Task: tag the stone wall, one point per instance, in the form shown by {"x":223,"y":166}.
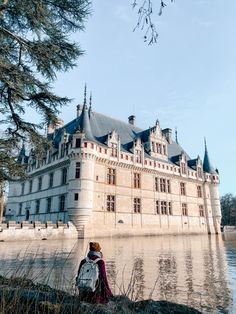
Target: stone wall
{"x":26,"y":231}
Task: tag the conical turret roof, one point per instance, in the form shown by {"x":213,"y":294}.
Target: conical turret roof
{"x":85,"y":124}
{"x":207,"y":166}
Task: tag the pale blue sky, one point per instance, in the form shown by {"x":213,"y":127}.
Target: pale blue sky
{"x":187,"y":80}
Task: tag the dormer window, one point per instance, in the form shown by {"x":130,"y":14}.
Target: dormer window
{"x":183,"y":167}
{"x":199,"y":172}
{"x":164,"y":149}
{"x":78,"y":143}
{"x":153,"y":146}
{"x":114,"y":143}
{"x":49,"y":156}
{"x":114,"y":149}
{"x":159,"y":150}
{"x":138,"y":156}
{"x":62,"y":150}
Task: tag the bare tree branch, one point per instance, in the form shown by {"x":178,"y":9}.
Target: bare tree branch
{"x":145,"y":18}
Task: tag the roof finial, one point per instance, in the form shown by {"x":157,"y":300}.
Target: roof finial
{"x":205,"y":143}
{"x":90,"y":101}
{"x":176,"y":135}
{"x":90,"y":104}
{"x":85,"y":94}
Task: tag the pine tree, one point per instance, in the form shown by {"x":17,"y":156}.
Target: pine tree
{"x":35,"y":44}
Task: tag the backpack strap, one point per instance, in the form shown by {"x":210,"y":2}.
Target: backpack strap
{"x":93,"y":260}
{"x":97,"y":259}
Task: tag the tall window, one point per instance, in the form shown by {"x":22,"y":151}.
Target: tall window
{"x":78,"y":142}
{"x":164,"y":149}
{"x":138,"y":155}
{"x":153,"y":147}
{"x":199,"y":172}
{"x":110,"y":203}
{"x":22,"y":188}
{"x":39,"y":183}
{"x":184,"y":209}
{"x":49,"y":204}
{"x":111,"y":176}
{"x":183,"y":167}
{"x":49,"y":156}
{"x":20,"y":209}
{"x":159,"y":148}
{"x":182,"y":188}
{"x":137,"y":180}
{"x":170,"y":208}
{"x":30,"y":186}
{"x":64,"y":176}
{"x":157,"y":207}
{"x":113,"y":149}
{"x":62,"y":203}
{"x":164,"y":208}
{"x":168,"y":186}
{"x":62,"y":150}
{"x":137,"y":205}
{"x":156,"y":184}
{"x":162,"y":185}
{"x":201,"y":211}
{"x":51,"y":175}
{"x":77,"y":170}
{"x":199,"y":191}
{"x":37,"y":206}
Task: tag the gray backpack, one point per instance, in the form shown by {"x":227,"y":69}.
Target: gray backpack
{"x":87,"y":278}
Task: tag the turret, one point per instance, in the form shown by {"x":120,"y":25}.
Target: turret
{"x":81,"y":175}
{"x":213,"y":190}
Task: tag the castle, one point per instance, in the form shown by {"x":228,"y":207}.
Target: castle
{"x":109,"y":177}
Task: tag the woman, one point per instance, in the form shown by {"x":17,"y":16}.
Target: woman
{"x":102,"y":292}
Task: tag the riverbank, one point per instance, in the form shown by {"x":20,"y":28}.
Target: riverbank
{"x":22,"y":296}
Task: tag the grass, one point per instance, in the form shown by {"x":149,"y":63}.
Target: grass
{"x":19,"y":294}
{"x":22,"y":296}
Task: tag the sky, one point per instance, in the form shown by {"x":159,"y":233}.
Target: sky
{"x":187,"y":80}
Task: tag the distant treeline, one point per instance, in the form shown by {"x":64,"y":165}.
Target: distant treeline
{"x":228,"y":208}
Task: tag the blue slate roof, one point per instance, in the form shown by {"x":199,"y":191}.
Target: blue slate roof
{"x":207,"y":166}
{"x":97,"y":126}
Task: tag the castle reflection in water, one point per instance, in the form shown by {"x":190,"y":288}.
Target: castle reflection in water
{"x":185,"y":269}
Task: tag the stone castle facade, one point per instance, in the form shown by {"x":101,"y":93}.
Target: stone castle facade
{"x":110,"y":177}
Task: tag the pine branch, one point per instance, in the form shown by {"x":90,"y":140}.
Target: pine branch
{"x":34,"y":45}
{"x":3,"y":6}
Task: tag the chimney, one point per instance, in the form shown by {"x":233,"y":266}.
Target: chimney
{"x":131,"y":119}
{"x":168,"y":134}
{"x":79,"y":110}
{"x":52,"y":126}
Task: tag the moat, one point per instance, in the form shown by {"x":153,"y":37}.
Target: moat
{"x":198,"y":271}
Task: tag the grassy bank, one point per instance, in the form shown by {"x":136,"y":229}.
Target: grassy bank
{"x":22,"y":296}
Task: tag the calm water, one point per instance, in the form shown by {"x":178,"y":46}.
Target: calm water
{"x":196,"y":270}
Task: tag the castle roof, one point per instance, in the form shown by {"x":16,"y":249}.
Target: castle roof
{"x":97,"y":127}
{"x":207,"y":166}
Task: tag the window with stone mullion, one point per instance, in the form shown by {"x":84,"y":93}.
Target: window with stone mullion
{"x":137,"y":205}
{"x":137,"y":180}
{"x":111,"y":176}
{"x":111,"y":203}
{"x":114,"y":149}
